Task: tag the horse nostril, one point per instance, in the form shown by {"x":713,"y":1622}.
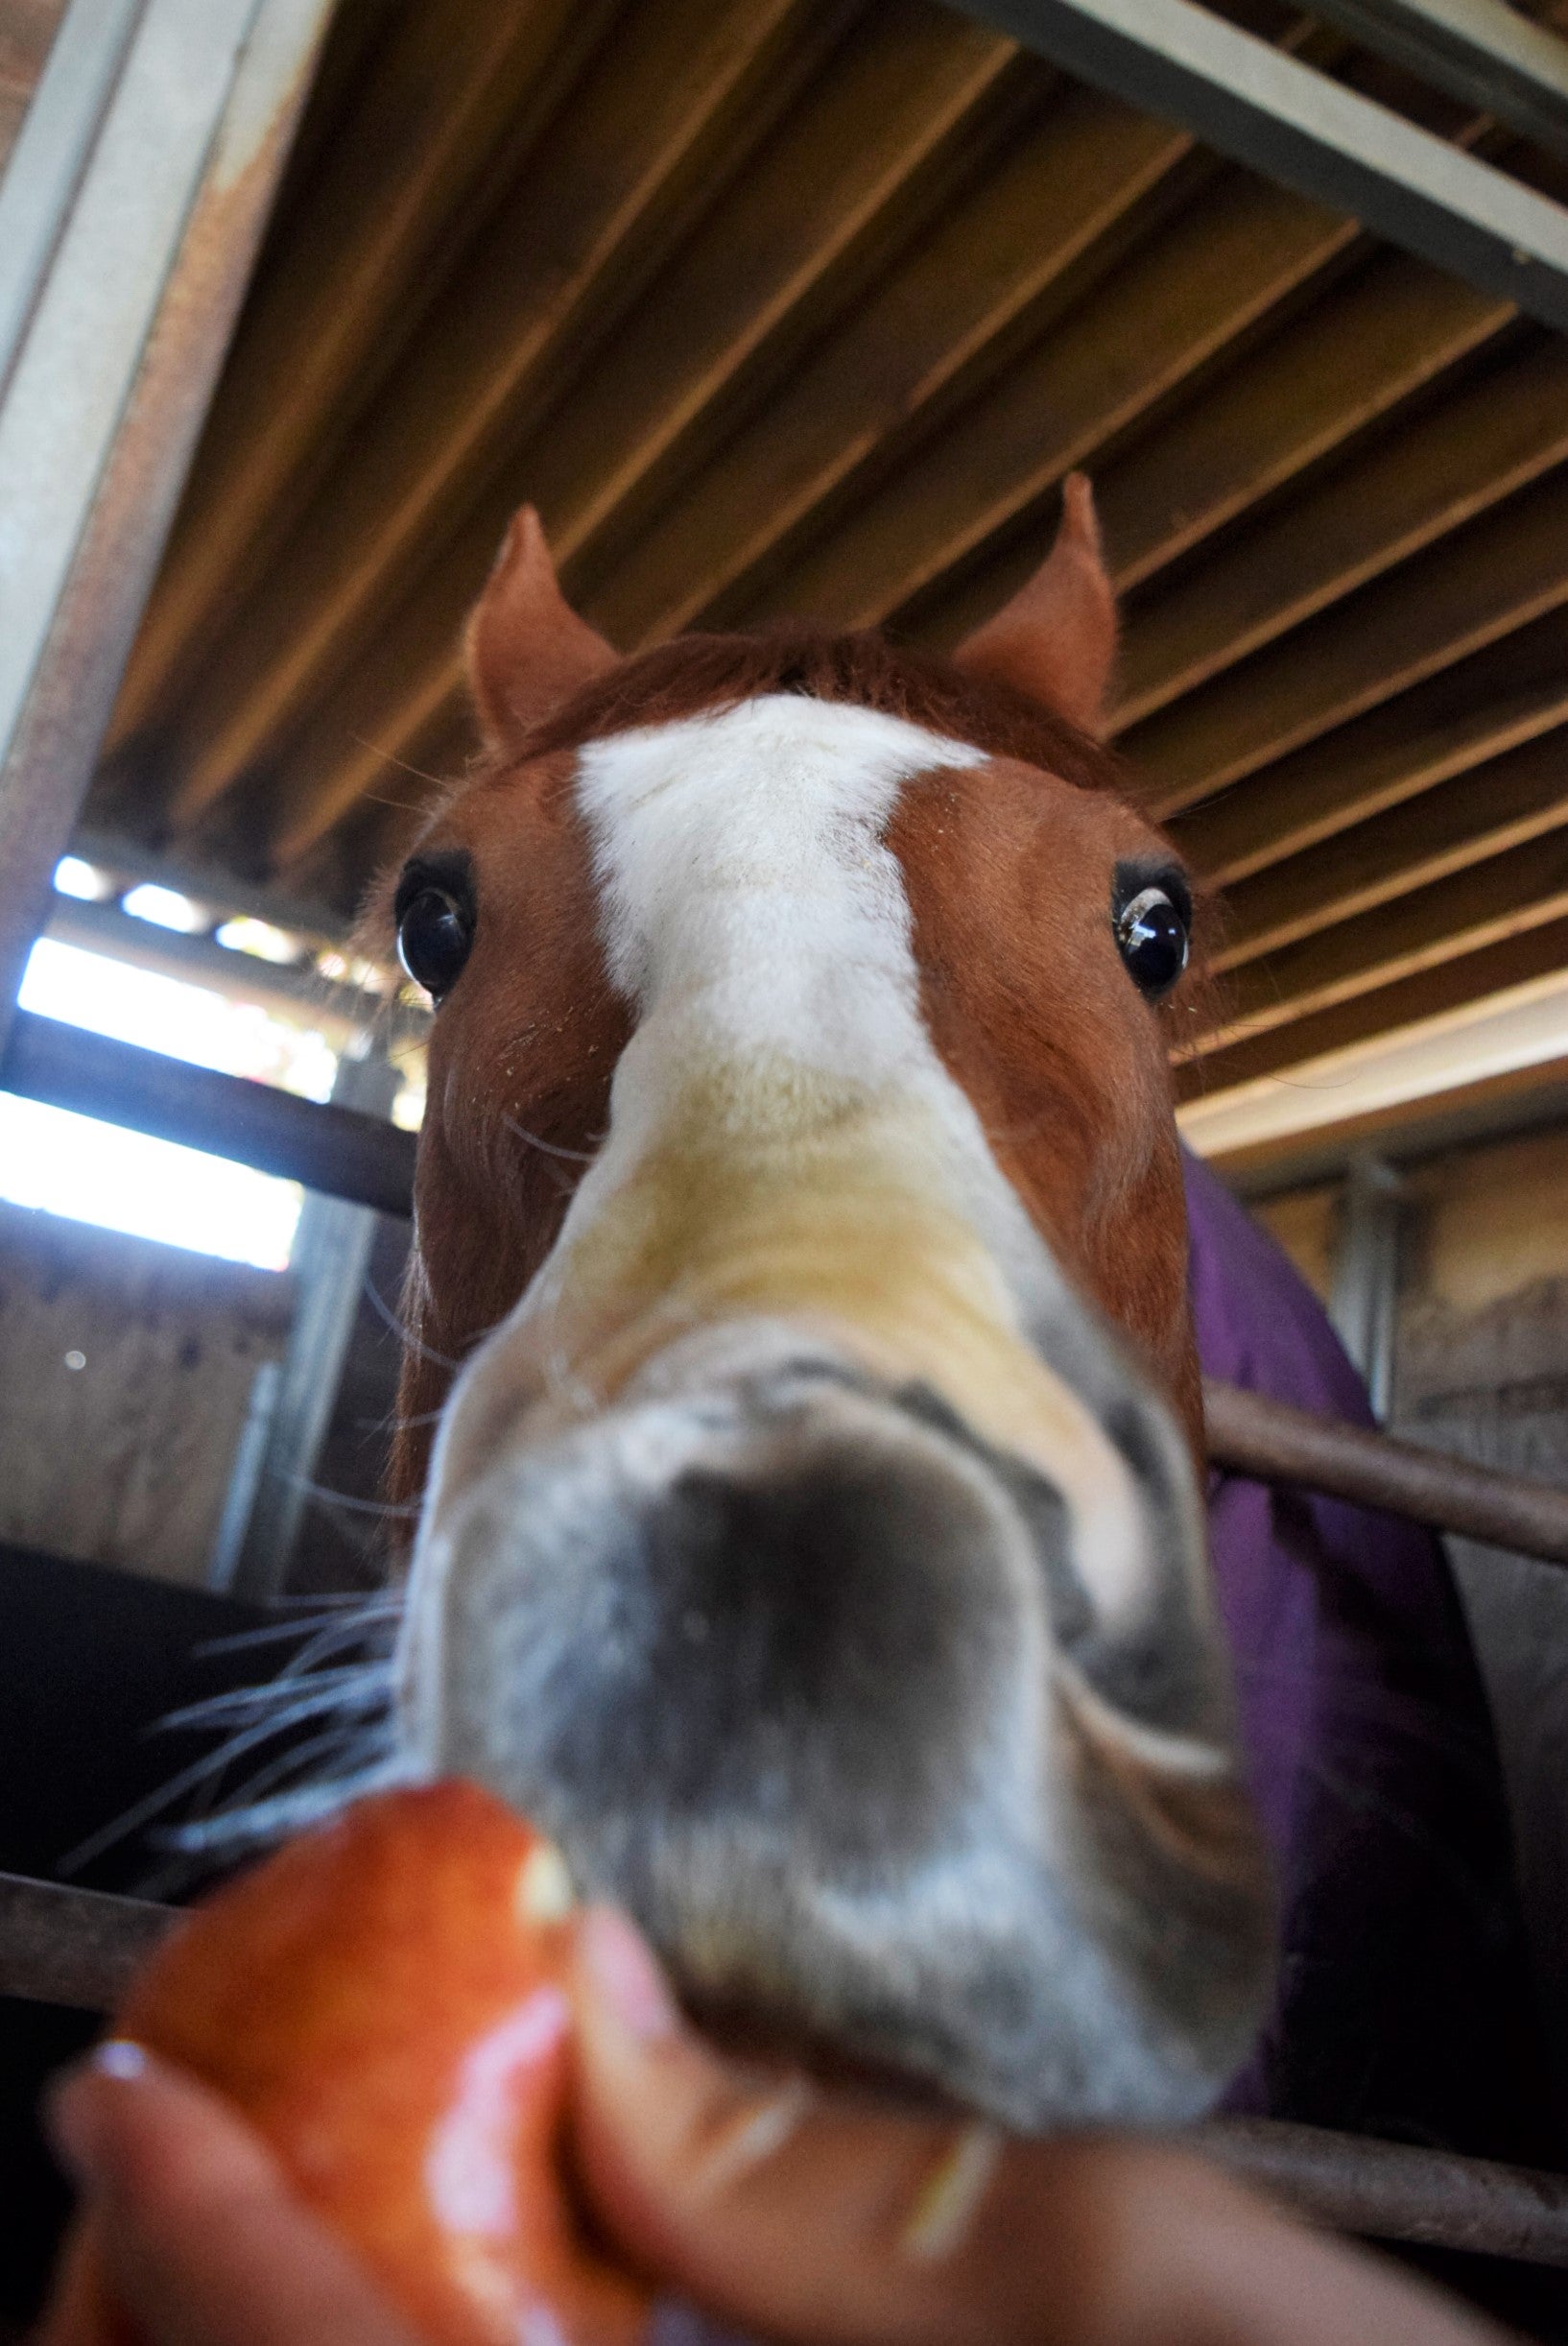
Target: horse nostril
{"x":816,"y":1563}
{"x":825,"y":1614}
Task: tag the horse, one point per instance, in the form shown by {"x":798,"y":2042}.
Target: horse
{"x":802,"y":1407}
{"x":812,"y":1540}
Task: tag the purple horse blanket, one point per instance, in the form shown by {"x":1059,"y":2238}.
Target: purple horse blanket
{"x":1404,"y":2007}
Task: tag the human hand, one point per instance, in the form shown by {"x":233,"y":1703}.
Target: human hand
{"x":780,"y":2210}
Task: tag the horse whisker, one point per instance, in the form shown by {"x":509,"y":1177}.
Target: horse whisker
{"x":293,"y":1696}
{"x":406,"y":1336}
{"x":290,"y":1812}
{"x":581,"y":1157}
{"x":348,"y":1502}
{"x":240,"y":1640}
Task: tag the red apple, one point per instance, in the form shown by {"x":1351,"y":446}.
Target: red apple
{"x":385,"y":1999}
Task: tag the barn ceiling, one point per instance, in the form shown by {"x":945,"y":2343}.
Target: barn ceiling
{"x":792,"y":306}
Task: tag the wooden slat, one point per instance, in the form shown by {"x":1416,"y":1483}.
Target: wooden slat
{"x":860,"y":163}
{"x":603,"y":198}
{"x":1523,"y":888}
{"x":835,"y":193}
{"x":1236,"y":252}
{"x":1479,"y":709}
{"x":1477,"y":814}
{"x":1477,"y":585}
{"x":1320,"y":380}
{"x":410,"y":153}
{"x":1326,"y":374}
{"x":1422,"y":478}
{"x":1468,"y":977}
{"x":1002,"y":262}
{"x":1001,"y":252}
{"x":341,"y":1012}
{"x":1355,"y":356}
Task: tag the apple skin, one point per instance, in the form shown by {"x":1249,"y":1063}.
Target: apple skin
{"x":385,"y":1999}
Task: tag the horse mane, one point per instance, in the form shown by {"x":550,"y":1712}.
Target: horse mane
{"x":692,"y":674}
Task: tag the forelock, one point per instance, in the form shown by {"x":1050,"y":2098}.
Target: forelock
{"x":697,"y":673}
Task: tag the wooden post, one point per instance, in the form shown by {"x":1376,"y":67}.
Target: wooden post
{"x":132,"y":228}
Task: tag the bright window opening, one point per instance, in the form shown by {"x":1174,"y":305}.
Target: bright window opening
{"x":92,"y":1172}
{"x":85,"y":880}
{"x":166,"y":907}
{"x":259,"y":938}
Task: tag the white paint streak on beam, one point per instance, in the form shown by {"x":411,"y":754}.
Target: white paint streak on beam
{"x":52,"y":148}
{"x":1296,"y":125}
{"x":109,"y":387}
{"x":1527,"y":1026}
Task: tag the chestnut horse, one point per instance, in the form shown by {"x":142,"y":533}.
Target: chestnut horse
{"x":811,"y":1540}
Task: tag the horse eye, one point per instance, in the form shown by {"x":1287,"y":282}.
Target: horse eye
{"x":434,"y":937}
{"x":1152,"y":933}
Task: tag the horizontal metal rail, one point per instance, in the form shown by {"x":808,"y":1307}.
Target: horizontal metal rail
{"x":345,"y":1154}
{"x":1274,"y":1443}
{"x":334,"y":1149}
{"x":80,"y":1947}
{"x":1389,"y":2191}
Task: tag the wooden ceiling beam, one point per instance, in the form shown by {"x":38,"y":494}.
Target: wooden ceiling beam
{"x":856,"y":169}
{"x":1475,"y":711}
{"x":1522,"y":888}
{"x":445,"y":89}
{"x":1340,"y":367}
{"x":1331,"y":371}
{"x":1475,"y":815}
{"x":847,"y":183}
{"x":614,"y":180}
{"x":1480,"y":583}
{"x":1427,"y":475}
{"x":1005,"y":259}
{"x":1237,"y":251}
{"x":994,"y":255}
{"x":1469,"y":976}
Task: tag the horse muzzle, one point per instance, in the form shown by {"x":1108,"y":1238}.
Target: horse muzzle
{"x":815,"y":1681}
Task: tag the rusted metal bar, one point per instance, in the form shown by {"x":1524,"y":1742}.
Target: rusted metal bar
{"x":1276,"y":1444}
{"x":338,"y":1150}
{"x":1389,"y":2191}
{"x":60,"y":1945}
{"x":345,"y":1154}
{"x":75,"y":1947}
{"x":110,"y":384}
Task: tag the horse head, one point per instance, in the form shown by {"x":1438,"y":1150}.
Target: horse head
{"x":811,"y":1538}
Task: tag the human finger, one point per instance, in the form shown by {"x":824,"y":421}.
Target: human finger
{"x":192,"y":2224}
{"x":822,"y":2219}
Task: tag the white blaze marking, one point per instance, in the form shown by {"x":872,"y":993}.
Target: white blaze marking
{"x":747,"y":884}
{"x":754,"y":913}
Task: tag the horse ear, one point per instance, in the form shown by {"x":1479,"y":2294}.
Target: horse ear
{"x":1056,"y":640}
{"x":526,"y":649}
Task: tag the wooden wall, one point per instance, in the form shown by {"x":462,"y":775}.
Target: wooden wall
{"x":124,"y":1459}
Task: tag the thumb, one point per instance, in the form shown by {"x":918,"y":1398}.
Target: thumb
{"x":810,"y":2216}
{"x":802,"y":2215}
